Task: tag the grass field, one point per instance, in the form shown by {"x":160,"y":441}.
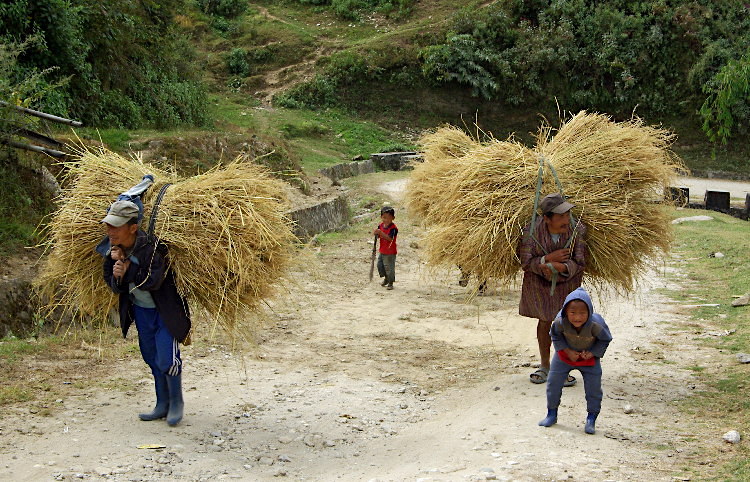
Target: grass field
{"x":709,"y":279}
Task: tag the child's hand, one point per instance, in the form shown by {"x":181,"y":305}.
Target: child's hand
{"x":376,"y":231}
{"x":572,"y":354}
{"x":587,"y":355}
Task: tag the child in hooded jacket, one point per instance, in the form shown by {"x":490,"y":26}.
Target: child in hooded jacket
{"x":580,"y":338}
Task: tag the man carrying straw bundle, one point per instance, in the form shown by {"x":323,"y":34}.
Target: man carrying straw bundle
{"x":136,"y":267}
{"x":552,"y":255}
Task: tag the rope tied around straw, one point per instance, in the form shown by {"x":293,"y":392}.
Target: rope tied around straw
{"x":483,"y":192}
{"x":539,"y":181}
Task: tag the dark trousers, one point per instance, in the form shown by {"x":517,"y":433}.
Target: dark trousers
{"x":592,"y":383}
{"x":159,"y":349}
{"x":387,"y":267}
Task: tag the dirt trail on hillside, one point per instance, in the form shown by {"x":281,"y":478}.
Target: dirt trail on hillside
{"x":353,"y":382}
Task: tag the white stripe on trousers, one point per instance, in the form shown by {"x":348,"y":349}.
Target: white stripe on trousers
{"x":174,"y":370}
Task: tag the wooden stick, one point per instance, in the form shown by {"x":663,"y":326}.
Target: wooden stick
{"x":372,"y":260}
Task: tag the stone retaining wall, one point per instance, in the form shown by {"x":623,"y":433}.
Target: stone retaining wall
{"x":17,"y":307}
{"x":391,"y":161}
{"x":740,"y":213}
{"x":348,"y":169}
{"x":326,"y":216}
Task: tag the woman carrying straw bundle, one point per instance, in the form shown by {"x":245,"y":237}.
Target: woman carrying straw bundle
{"x":137,"y":268}
{"x":553,"y":257}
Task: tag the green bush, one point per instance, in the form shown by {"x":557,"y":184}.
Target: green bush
{"x":22,"y":205}
{"x":347,"y":67}
{"x":222,"y":25}
{"x":259,"y":54}
{"x":318,"y":92}
{"x":237,"y":62}
{"x":606,"y":55}
{"x":461,"y":59}
{"x":223,"y":8}
{"x":726,"y":110}
{"x":352,"y":9}
{"x":126,"y":63}
{"x":304,"y":129}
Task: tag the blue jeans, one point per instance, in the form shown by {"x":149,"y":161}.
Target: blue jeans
{"x":592,"y":383}
{"x":159,"y":349}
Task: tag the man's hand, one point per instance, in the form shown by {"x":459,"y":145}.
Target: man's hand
{"x":587,"y":355}
{"x":572,"y":354}
{"x":120,"y":268}
{"x":116,"y":253}
{"x":558,"y":256}
{"x":561,"y":268}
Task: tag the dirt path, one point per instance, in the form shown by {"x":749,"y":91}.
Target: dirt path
{"x":353,"y":382}
{"x":698,"y":187}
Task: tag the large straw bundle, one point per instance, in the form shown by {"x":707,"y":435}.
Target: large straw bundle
{"x":442,"y":149}
{"x":611,"y":171}
{"x":228,"y":236}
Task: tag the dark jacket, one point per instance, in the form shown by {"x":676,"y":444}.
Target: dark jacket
{"x":153,"y":274}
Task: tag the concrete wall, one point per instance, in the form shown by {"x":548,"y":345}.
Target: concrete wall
{"x":326,"y":216}
{"x":348,"y":169}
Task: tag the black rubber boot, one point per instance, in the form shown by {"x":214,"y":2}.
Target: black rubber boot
{"x":550,"y":419}
{"x":162,"y":400}
{"x":591,"y":423}
{"x":176,"y":404}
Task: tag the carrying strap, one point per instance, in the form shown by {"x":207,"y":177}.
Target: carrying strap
{"x":155,"y":211}
{"x":532,"y":229}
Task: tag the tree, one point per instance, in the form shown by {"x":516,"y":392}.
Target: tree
{"x":727,"y":105}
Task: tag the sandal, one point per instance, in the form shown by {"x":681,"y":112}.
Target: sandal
{"x":570,"y":381}
{"x":539,"y":376}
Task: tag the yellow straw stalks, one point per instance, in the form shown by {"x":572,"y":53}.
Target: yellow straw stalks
{"x":228,"y":236}
{"x":476,"y":203}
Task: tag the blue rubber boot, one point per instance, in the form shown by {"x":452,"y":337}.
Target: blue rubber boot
{"x":176,"y":404}
{"x":162,"y":400}
{"x":591,"y":423}
{"x":550,"y":419}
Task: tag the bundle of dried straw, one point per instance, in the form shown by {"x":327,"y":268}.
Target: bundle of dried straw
{"x":228,"y":236}
{"x":475,"y":203}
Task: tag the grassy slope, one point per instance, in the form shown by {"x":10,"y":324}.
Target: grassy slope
{"x":289,"y":42}
{"x":710,"y":280}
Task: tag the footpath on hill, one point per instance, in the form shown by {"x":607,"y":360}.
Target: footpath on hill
{"x":353,"y":382}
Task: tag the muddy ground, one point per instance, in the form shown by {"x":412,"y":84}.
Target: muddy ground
{"x":353,"y":382}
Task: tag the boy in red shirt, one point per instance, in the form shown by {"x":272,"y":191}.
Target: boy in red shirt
{"x":387,"y":232}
